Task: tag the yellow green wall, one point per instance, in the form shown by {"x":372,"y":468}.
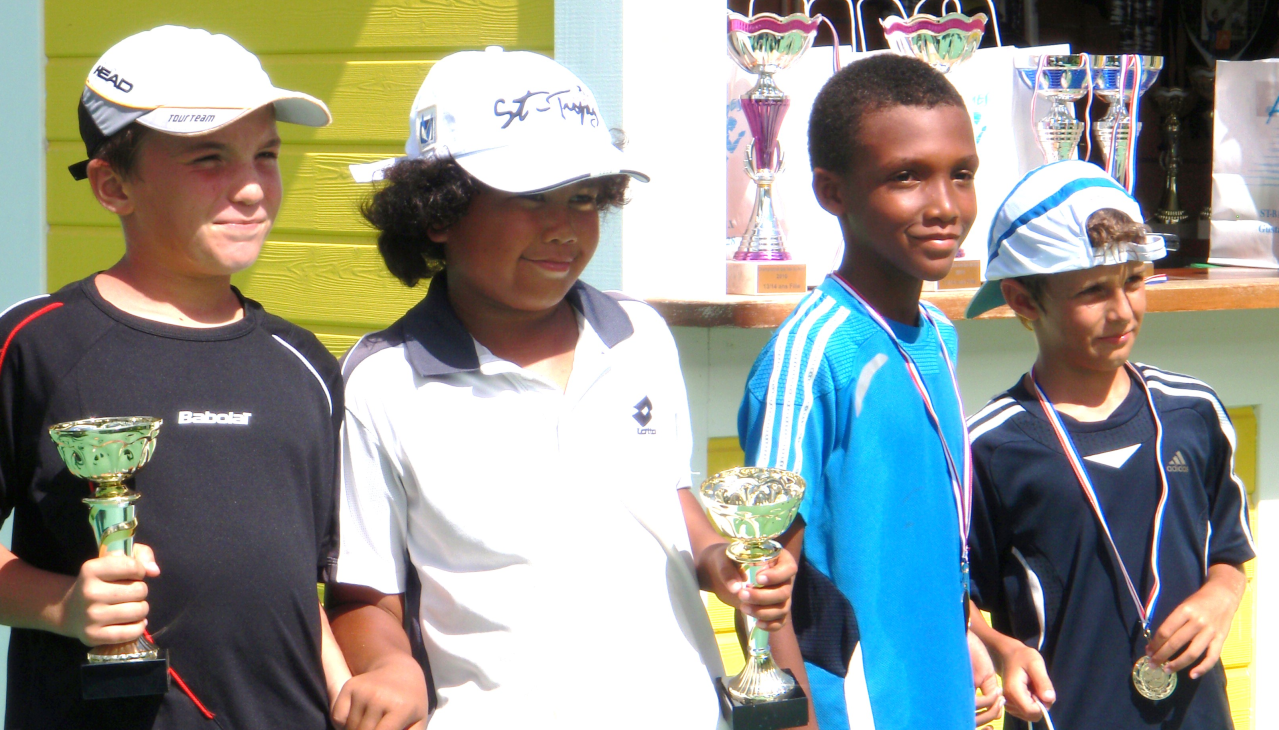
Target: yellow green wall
{"x":365,"y":58}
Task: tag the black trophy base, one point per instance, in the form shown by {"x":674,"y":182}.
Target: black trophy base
{"x":789,"y":710}
{"x":111,"y":680}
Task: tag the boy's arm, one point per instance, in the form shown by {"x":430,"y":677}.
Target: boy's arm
{"x":717,"y":573}
{"x":388,"y":688}
{"x":1026,"y":682}
{"x":104,"y":604}
{"x":1199,"y":626}
{"x":336,"y":672}
{"x":783,"y":642}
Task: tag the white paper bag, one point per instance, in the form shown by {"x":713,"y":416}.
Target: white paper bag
{"x":999,"y":104}
{"x":1245,"y":165}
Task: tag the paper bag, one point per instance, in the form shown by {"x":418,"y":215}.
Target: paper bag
{"x":1244,"y":230}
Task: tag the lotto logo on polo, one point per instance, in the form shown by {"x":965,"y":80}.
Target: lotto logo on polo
{"x":643,"y":415}
{"x":209,"y":418}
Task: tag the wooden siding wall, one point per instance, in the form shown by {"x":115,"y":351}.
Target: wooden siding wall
{"x":364,"y":58}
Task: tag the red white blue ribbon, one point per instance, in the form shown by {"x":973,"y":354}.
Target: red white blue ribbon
{"x":1145,"y":610}
{"x":961,"y":482}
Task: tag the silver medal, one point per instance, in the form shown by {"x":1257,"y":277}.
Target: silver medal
{"x":1151,"y":681}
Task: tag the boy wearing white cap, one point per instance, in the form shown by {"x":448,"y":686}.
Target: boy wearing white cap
{"x":516,"y":512}
{"x":237,"y":520}
{"x":1109,"y":526}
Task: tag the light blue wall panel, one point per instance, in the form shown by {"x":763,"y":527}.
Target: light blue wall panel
{"x":22,"y":181}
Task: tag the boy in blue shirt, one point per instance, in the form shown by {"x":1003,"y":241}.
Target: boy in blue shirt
{"x":1108,"y":524}
{"x":857,"y":392}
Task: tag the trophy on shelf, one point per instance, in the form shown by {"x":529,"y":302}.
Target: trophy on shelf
{"x":764,"y":44}
{"x":942,"y":42}
{"x":1062,"y":80}
{"x":1203,"y":80}
{"x":106,"y":452}
{"x":752,"y":506}
{"x":1121,"y":80}
{"x":1173,"y":104}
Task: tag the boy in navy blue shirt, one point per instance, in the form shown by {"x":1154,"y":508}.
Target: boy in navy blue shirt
{"x":1108,"y":524}
{"x":857,"y":392}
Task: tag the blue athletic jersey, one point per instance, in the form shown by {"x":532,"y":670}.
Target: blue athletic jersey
{"x":878,"y":606}
{"x":1043,"y":568}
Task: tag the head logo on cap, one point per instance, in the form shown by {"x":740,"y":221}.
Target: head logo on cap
{"x":123,"y":85}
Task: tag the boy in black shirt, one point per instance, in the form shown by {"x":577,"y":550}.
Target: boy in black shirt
{"x":238,"y":506}
{"x":1108,"y":524}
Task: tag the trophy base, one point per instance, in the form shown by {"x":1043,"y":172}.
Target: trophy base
{"x":766,"y":277}
{"x":789,"y":710}
{"x":138,"y":678}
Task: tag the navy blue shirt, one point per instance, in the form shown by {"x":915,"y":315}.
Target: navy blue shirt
{"x":1043,"y":569}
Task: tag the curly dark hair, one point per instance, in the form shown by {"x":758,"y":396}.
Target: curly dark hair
{"x":420,"y":196}
{"x":861,"y":88}
{"x":1108,"y":228}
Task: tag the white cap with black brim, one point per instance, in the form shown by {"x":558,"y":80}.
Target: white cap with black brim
{"x":181,"y":81}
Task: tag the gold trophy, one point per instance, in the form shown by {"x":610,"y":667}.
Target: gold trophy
{"x":752,"y":506}
{"x":107,"y":451}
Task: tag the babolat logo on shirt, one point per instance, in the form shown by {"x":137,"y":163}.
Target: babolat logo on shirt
{"x":642,"y":415}
{"x":113,"y":79}
{"x":570,"y":103}
{"x":1178,"y":463}
{"x":209,"y":418}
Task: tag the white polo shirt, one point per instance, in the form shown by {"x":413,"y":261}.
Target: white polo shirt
{"x":542,"y":528}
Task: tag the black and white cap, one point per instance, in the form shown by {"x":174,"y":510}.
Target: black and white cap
{"x":181,"y":81}
{"x":517,"y":121}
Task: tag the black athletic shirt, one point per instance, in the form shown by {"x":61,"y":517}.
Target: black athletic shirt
{"x":238,"y":502}
{"x":1041,"y":564}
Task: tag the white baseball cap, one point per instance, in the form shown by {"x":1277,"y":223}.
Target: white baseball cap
{"x":516,"y":121}
{"x":181,"y":81}
{"x":1042,"y":228}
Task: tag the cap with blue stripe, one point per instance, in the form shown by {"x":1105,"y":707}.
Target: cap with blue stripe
{"x":1042,"y":228}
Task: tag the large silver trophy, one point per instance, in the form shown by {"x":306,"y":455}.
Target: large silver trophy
{"x":107,"y":452}
{"x":1121,"y":80}
{"x":752,"y":507}
{"x":1062,"y":80}
{"x":764,"y":44}
{"x":942,"y":42}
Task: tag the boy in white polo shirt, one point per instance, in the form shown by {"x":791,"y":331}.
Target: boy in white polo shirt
{"x":516,"y":507}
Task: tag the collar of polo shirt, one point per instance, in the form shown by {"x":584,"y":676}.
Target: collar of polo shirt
{"x":437,"y":343}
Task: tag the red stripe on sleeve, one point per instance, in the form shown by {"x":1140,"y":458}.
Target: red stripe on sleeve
{"x":30,"y":318}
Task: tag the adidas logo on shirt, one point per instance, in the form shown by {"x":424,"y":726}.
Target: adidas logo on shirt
{"x":210,"y":418}
{"x":1178,"y":463}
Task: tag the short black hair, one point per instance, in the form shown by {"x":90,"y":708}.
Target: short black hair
{"x":420,"y":196}
{"x":861,"y":88}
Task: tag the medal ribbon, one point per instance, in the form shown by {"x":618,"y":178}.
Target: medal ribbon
{"x":1145,"y":610}
{"x":961,"y":483}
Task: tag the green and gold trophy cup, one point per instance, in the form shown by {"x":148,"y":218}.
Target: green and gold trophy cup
{"x":752,"y":507}
{"x":106,"y":452}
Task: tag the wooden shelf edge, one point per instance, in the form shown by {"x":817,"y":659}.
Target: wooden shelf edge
{"x":1187,"y":290}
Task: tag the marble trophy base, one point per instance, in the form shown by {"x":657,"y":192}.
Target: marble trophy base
{"x":789,"y":710}
{"x":766,"y":277}
{"x":135,"y":678}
